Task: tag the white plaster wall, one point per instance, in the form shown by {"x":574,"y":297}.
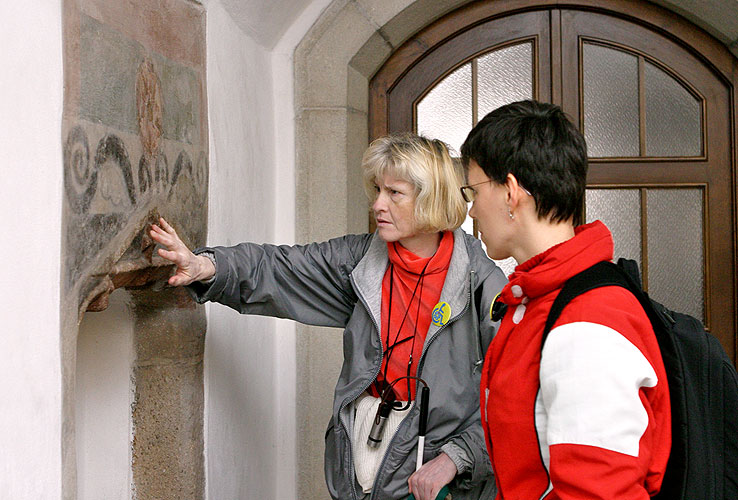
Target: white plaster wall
{"x":265,"y":21}
{"x":103,"y":406}
{"x":30,"y":236}
{"x":288,"y":469}
{"x":250,"y":428}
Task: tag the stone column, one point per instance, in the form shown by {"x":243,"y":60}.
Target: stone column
{"x":167,"y":411}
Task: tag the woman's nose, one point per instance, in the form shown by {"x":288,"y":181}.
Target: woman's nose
{"x":379,"y":203}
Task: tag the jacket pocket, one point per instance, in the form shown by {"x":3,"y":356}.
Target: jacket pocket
{"x":336,"y":463}
{"x":328,"y":430}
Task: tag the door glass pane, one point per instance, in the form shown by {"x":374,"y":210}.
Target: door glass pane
{"x":445,"y":112}
{"x":675,"y":249}
{"x":673,"y":116}
{"x":620,"y":210}
{"x":611,"y":118}
{"x":504,"y":76}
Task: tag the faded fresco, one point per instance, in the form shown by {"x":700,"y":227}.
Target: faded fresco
{"x":135,"y":131}
{"x":135,"y":145}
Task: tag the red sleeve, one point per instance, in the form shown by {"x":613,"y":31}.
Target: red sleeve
{"x":587,"y":472}
{"x":600,"y":410}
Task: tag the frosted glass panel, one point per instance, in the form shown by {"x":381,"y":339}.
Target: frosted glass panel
{"x":620,"y":210}
{"x":504,"y":76}
{"x":673,"y":116}
{"x":611,"y":119}
{"x":675,"y":249}
{"x":445,"y":113}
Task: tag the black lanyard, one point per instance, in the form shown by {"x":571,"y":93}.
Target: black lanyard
{"x":390,"y":347}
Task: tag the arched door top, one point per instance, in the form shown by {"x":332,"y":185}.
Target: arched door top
{"x":657,"y":113}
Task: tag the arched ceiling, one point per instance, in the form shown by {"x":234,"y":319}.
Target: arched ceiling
{"x":265,"y":21}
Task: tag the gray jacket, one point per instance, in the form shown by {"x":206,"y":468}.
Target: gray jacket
{"x":338,"y":283}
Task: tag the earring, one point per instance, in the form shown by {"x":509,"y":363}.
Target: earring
{"x":509,"y":212}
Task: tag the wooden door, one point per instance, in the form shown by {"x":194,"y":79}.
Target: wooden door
{"x":656,"y":114}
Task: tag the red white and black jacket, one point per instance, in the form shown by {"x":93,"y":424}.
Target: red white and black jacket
{"x":588,"y":417}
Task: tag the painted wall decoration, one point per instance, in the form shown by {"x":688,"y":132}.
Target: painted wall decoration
{"x":137,"y":140}
{"x":135,"y":146}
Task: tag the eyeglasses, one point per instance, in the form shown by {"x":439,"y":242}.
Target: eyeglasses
{"x":469,"y":193}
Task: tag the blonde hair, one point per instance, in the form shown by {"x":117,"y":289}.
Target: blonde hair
{"x":427,"y":164}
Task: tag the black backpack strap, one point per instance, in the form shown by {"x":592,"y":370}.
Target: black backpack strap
{"x":601,"y":274}
{"x":631,"y":269}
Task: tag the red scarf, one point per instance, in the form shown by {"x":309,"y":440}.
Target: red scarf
{"x":411,"y":313}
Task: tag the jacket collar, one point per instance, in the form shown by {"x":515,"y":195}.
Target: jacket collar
{"x":368,"y":274}
{"x":549,"y":270}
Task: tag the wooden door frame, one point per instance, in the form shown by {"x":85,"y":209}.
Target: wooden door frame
{"x":706,"y":169}
{"x":703,"y":46}
{"x":459,"y":50}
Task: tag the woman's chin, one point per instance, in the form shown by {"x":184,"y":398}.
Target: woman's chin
{"x":387,"y":234}
{"x":494,"y":253}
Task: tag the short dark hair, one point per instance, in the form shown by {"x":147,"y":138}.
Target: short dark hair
{"x":540,"y":146}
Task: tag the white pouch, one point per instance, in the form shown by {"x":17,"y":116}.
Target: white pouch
{"x":366,"y":458}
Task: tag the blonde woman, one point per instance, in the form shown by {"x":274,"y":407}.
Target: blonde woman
{"x":408,"y":298}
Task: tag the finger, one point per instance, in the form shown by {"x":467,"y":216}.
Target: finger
{"x":159,"y":236}
{"x":172,"y":256}
{"x":177,"y":280}
{"x":415,"y":484}
{"x":420,"y":494}
{"x":427,"y":493}
{"x":157,"y":228}
{"x":169,"y":229}
{"x":423,"y":486}
{"x":171,"y":241}
{"x":171,"y":235}
{"x":434,"y":492}
{"x":180,"y":279}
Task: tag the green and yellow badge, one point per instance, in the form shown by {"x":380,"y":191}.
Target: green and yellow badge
{"x":441,"y":313}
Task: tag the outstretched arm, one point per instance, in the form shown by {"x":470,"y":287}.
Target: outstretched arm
{"x":190,"y":267}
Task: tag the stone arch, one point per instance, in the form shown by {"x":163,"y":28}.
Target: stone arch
{"x":333,"y":64}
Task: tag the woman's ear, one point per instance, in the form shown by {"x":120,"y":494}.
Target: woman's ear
{"x":514,"y":191}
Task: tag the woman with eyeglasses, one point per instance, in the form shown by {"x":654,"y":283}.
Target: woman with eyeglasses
{"x":583,"y":412}
{"x":413,"y":299}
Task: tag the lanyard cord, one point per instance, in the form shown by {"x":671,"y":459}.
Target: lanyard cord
{"x":390,"y":348}
{"x":417,"y":317}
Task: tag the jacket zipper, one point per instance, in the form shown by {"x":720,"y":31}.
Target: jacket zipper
{"x":476,"y":324}
{"x":418,"y":372}
{"x":352,"y":472}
